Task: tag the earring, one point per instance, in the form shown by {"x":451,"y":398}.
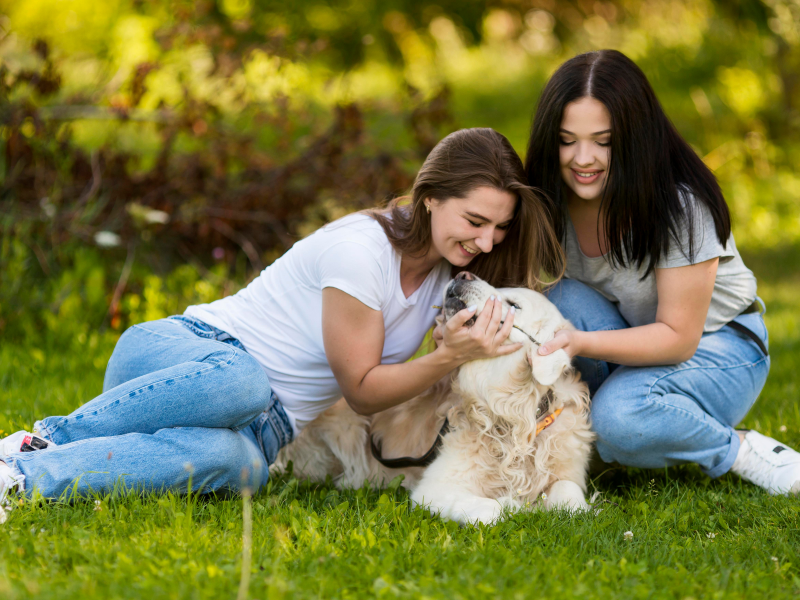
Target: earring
{"x":428,"y":208}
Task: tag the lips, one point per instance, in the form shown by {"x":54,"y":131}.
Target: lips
{"x":581,"y":176}
{"x":467,"y":251}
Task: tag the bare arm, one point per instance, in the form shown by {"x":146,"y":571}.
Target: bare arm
{"x":684,"y":295}
{"x":353,"y":335}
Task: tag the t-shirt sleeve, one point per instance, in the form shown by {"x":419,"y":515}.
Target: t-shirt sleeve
{"x":354,"y":269}
{"x":706,"y":244}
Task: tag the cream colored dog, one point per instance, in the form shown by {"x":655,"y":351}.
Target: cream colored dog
{"x":492,"y":458}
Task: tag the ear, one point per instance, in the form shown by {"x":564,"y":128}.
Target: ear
{"x":547,"y":369}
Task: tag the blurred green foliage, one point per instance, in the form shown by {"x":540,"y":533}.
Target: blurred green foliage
{"x":199,"y":139}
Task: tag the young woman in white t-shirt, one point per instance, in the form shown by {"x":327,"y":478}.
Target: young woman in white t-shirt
{"x":209,"y":397}
{"x":671,"y":337}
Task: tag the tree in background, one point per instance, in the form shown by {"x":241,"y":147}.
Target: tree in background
{"x":140,"y":137}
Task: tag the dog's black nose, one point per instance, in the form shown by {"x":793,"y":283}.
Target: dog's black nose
{"x":466,"y":275}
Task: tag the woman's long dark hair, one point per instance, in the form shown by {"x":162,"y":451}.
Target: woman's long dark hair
{"x":651,"y":164}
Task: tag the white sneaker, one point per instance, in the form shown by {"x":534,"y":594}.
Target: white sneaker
{"x":23,"y":441}
{"x":769,"y":464}
{"x":9,"y":481}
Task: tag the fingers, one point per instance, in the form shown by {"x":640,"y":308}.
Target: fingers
{"x":497,"y":314}
{"x":505,"y":330}
{"x":481,"y":325}
{"x":557,"y":343}
{"x":457,"y":320}
{"x":510,"y":349}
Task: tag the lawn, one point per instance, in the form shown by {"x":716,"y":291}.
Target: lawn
{"x":692,"y":537}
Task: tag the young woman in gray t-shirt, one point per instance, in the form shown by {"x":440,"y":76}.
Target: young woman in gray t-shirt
{"x":671,"y":337}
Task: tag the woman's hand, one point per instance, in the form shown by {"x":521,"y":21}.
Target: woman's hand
{"x":567,"y":340}
{"x":484,"y":339}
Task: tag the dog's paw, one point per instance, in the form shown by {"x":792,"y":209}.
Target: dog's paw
{"x":565,"y":495}
{"x":485,"y":510}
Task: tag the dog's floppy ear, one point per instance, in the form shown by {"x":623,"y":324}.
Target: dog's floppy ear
{"x":547,"y":369}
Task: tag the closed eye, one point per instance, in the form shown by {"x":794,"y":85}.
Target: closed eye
{"x":513,"y":304}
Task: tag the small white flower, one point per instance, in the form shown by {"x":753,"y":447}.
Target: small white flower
{"x":156,"y":216}
{"x":520,"y":491}
{"x":628,"y":535}
{"x":3,"y":515}
{"x":782,"y":428}
{"x":711,"y":535}
{"x":98,"y":506}
{"x":544,"y":496}
{"x":774,"y":559}
{"x":107,"y":239}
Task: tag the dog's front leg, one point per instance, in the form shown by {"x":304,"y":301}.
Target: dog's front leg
{"x":565,"y":495}
{"x":445,"y":490}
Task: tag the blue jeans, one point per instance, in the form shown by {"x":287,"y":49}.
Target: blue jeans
{"x":182,"y":402}
{"x":654,"y":417}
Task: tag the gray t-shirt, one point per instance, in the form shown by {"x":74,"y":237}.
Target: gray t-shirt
{"x":637,"y":298}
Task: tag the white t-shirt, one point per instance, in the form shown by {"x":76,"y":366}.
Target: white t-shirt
{"x":278,"y":317}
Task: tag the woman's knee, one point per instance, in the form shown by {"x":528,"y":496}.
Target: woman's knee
{"x":620,"y":422}
{"x":585,"y":307}
{"x":609,"y":420}
{"x":253,"y":389}
{"x":118,"y":370}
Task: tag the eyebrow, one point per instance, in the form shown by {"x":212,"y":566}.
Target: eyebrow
{"x":595,"y":133}
{"x":482,"y":218}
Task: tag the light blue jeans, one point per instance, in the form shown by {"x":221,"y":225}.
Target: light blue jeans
{"x":654,"y":417}
{"x":182,"y":402}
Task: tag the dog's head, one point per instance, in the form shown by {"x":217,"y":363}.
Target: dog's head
{"x":536,"y":321}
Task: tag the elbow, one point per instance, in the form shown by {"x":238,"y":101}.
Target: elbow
{"x":687,"y":351}
{"x":359,"y":407}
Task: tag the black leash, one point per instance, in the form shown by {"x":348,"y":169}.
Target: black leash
{"x":749,"y":333}
{"x":407,"y":461}
{"x":754,"y":307}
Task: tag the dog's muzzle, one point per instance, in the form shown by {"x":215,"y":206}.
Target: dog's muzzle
{"x":456,"y":291}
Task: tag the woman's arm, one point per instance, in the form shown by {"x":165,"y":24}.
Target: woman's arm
{"x":684,"y":295}
{"x":353,"y":335}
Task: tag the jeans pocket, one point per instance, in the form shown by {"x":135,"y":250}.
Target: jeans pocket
{"x":197,"y":327}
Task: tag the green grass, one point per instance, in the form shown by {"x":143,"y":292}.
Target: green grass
{"x":312,"y":541}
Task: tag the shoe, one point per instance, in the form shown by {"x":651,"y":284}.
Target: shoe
{"x":768,"y":464}
{"x":23,"y":441}
{"x":9,"y":481}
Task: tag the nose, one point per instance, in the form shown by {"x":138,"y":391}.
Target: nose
{"x":485,"y":242}
{"x":583,"y":155}
{"x":466,"y":276}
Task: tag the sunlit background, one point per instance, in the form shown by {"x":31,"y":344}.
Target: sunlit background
{"x":160,"y":152}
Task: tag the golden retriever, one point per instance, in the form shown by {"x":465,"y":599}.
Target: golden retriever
{"x":518,"y":435}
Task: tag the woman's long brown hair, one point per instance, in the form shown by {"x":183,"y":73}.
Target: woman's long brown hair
{"x":528,"y":256}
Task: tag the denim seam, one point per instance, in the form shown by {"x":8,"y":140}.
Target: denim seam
{"x":190,"y":325}
{"x":171,"y":337}
{"x":153,"y":384}
{"x":695,"y":368}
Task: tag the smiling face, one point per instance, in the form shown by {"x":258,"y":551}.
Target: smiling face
{"x":463,"y":228}
{"x":585,"y":148}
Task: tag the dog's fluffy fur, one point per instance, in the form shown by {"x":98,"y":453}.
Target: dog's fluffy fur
{"x":491,"y":459}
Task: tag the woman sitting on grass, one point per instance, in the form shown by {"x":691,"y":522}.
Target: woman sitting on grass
{"x":671,"y":335}
{"x":208,"y":398}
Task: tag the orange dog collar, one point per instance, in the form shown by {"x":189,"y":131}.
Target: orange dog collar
{"x":547,"y":421}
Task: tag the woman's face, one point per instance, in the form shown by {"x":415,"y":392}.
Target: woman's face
{"x":584,"y":147}
{"x":463,"y":228}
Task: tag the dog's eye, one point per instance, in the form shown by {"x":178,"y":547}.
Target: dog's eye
{"x":513,"y":304}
